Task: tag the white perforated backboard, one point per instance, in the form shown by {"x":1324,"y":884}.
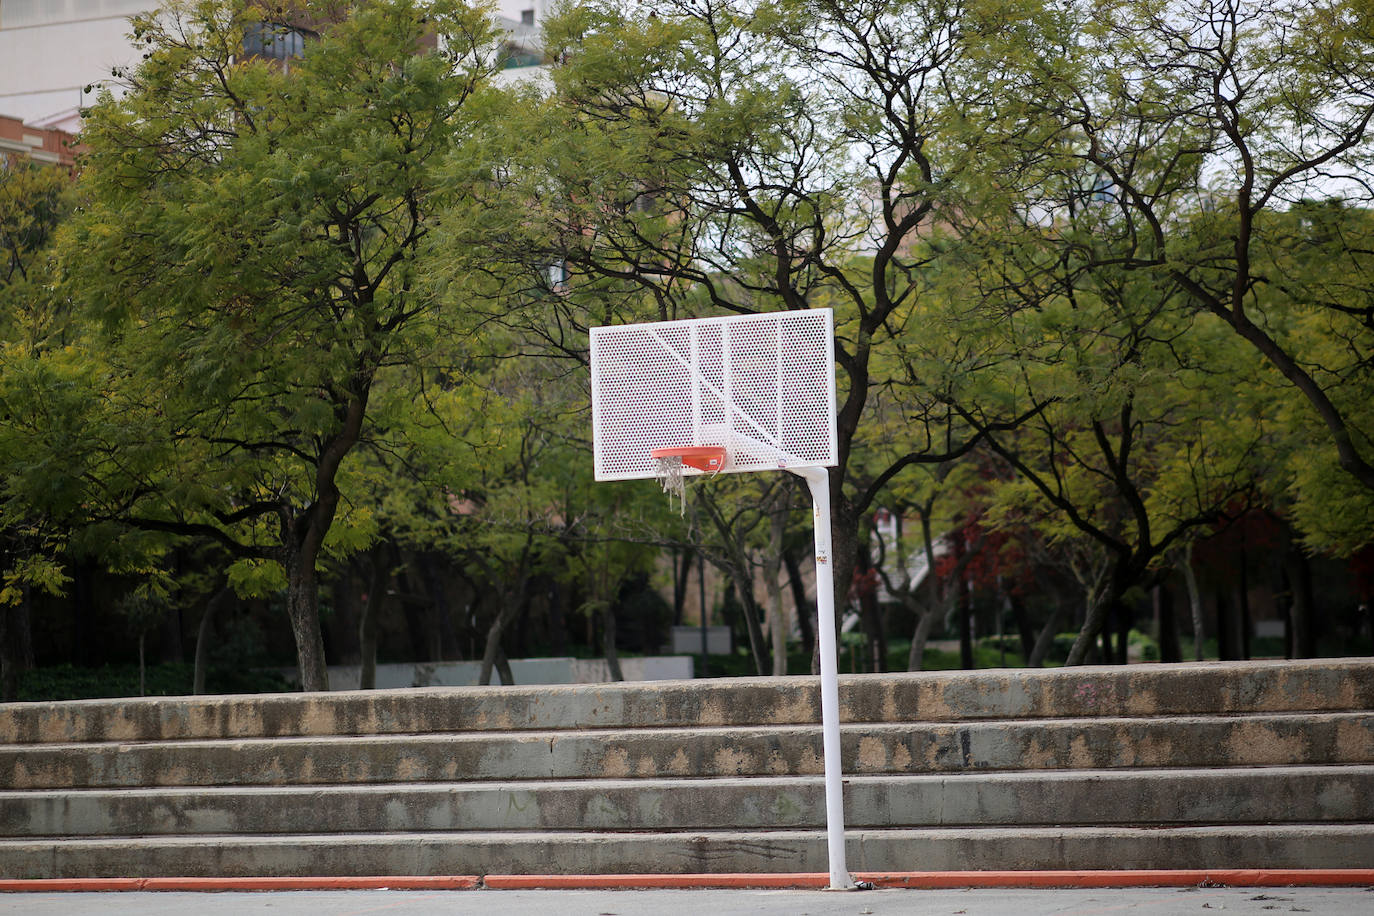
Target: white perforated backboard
{"x":761,"y":386}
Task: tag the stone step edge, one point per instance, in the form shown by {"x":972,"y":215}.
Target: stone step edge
{"x":591,"y":783}
{"x":1239,"y":877}
{"x":1275,"y":795}
{"x":848,"y":729}
{"x":1316,"y":739}
{"x":582,"y":837}
{"x":1259,"y":846}
{"x":1302,"y":685}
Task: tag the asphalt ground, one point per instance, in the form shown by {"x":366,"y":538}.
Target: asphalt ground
{"x":1195,"y":901}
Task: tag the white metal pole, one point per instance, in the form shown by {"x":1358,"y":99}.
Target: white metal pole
{"x":818,"y":480}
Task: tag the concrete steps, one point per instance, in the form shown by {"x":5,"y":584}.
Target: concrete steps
{"x":762,"y":750}
{"x":1093,"y":797}
{"x":582,"y":852}
{"x":1218,"y":766}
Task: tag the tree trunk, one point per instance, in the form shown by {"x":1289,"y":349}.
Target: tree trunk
{"x":915,"y":659}
{"x":1300,"y":575}
{"x":806,"y":609}
{"x":510,"y":608}
{"x":772,"y":569}
{"x":682,"y":570}
{"x":369,"y":621}
{"x":303,"y":538}
{"x":303,"y":611}
{"x":608,"y":647}
{"x":961,"y":603}
{"x":509,"y":611}
{"x":502,"y":664}
{"x":749,"y":607}
{"x":213,"y":608}
{"x":925,"y":622}
{"x":867,"y":598}
{"x":736,"y":565}
{"x":1185,"y":564}
{"x":1096,"y":616}
{"x":1123,"y":631}
{"x":1045,"y":641}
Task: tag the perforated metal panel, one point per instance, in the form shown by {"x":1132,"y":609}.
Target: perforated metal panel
{"x":762,"y":386}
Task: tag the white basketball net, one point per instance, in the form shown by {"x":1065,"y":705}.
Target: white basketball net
{"x":668,"y":470}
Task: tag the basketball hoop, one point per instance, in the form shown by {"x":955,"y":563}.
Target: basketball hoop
{"x":762,"y":388}
{"x":669,"y":462}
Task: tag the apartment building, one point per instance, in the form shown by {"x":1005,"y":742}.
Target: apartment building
{"x":20,"y":142}
{"x":50,"y":50}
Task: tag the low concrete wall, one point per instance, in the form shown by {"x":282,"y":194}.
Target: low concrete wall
{"x":688,"y":640}
{"x":525,"y":671}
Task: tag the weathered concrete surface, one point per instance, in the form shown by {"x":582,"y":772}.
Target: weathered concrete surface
{"x":1194,"y":741}
{"x":1224,"y":765}
{"x":1094,"y":797}
{"x":1024,"y":848}
{"x":1137,"y":690}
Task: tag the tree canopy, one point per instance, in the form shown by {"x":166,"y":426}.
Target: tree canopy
{"x":253,"y":240}
{"x":1101,"y":274}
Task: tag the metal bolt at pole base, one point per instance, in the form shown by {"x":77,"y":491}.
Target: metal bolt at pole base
{"x":818,"y":480}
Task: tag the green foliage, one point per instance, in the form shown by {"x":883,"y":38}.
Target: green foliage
{"x":294,"y":310}
{"x":33,"y":201}
{"x":255,"y":243}
{"x":1185,"y":141}
{"x":47,"y":385}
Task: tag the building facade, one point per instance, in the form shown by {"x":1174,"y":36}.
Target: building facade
{"x":50,"y":50}
{"x":20,"y":142}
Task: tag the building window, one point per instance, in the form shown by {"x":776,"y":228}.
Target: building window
{"x":273,"y":41}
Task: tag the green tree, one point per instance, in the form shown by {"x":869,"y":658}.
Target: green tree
{"x":1140,"y":202}
{"x":1316,"y":265}
{"x":736,"y":157}
{"x":254,"y":243}
{"x":41,"y":378}
{"x":1137,"y":439}
{"x":1201,"y":125}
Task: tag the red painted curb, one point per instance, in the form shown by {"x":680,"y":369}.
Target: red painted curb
{"x":1253,"y":877}
{"x":645,"y":882}
{"x":1234,"y":877}
{"x":1230,"y":877}
{"x":392,"y":882}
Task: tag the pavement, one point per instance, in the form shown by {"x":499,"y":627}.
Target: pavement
{"x":1167,"y":901}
